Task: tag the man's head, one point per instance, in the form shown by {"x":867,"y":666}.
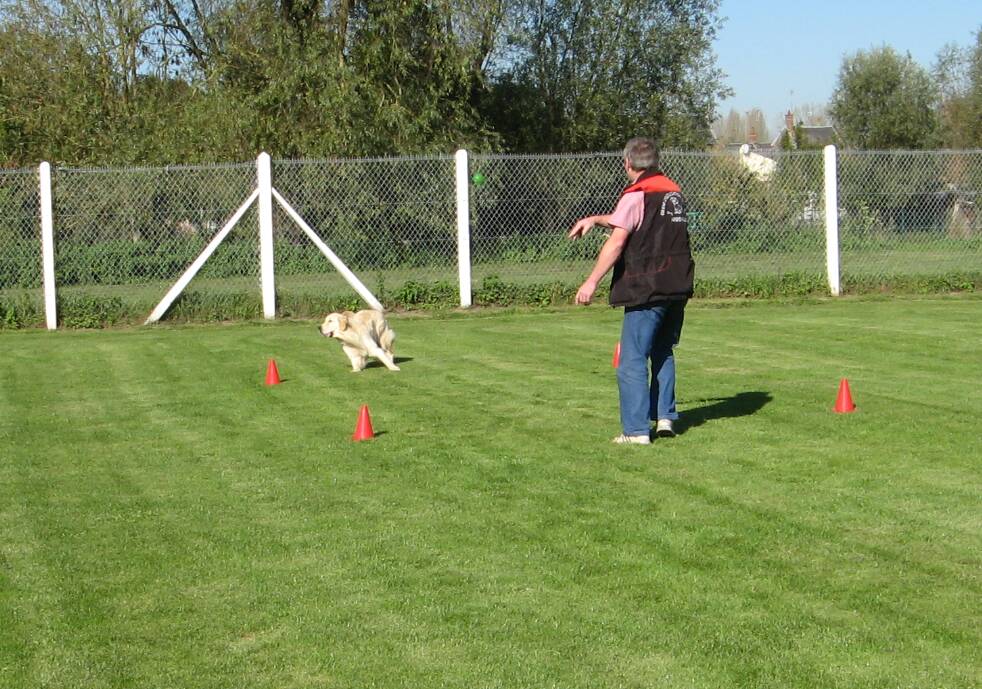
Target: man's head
{"x":640,"y":155}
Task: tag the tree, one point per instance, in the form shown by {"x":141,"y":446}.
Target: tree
{"x":810,"y":114}
{"x":738,"y":129}
{"x":757,"y":125}
{"x":730,"y":129}
{"x":165,"y":81}
{"x":590,"y":73}
{"x":885,"y":101}
{"x":975,"y":93}
{"x":958,"y":73}
{"x":50,"y":102}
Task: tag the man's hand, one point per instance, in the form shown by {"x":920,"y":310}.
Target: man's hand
{"x":585,"y":293}
{"x":609,"y":253}
{"x":582,"y":226}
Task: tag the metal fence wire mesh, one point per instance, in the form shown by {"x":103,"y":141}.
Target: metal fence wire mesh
{"x":20,"y":233}
{"x":909,"y":213}
{"x":131,"y":233}
{"x":390,"y":220}
{"x":745,"y":223}
{"x":145,"y":226}
{"x":523,"y":206}
{"x":739,"y":223}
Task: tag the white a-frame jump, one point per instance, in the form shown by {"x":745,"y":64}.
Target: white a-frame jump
{"x":265,"y":193}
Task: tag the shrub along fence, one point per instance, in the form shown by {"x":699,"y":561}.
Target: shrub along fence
{"x":467,"y":229}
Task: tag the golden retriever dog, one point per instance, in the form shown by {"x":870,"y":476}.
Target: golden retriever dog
{"x":362,"y":334}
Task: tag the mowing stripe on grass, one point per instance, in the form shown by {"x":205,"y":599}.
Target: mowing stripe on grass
{"x":168,"y":520}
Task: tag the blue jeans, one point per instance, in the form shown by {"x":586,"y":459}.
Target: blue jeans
{"x":648,"y":332}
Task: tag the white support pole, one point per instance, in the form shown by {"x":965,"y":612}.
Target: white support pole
{"x":463,"y":227}
{"x":832,"y":220}
{"x":193,"y":269}
{"x":352,"y":279}
{"x":267,"y":272}
{"x":48,"y":249}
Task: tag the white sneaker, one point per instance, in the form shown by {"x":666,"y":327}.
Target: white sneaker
{"x":663,"y":429}
{"x":632,"y":440}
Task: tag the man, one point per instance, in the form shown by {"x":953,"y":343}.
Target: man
{"x":648,"y":248}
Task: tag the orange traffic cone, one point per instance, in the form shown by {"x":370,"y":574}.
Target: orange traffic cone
{"x":617,"y":355}
{"x":272,"y":374}
{"x":363,"y":430}
{"x":843,"y":404}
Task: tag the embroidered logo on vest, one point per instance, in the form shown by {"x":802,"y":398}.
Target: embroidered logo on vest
{"x":673,"y":205}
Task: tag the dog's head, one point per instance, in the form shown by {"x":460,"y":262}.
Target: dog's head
{"x":333,"y":324}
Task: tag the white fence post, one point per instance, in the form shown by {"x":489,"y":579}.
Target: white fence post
{"x":48,"y":249}
{"x":463,"y":227}
{"x":832,"y":220}
{"x":264,"y":178}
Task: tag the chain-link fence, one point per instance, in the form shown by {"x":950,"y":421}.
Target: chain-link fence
{"x":909,"y":213}
{"x":20,"y":232}
{"x":391,"y":220}
{"x":21,"y":301}
{"x":523,"y":206}
{"x":740,"y":223}
{"x":128,"y":234}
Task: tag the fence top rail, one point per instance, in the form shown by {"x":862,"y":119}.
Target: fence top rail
{"x":546,"y":156}
{"x":162,"y":168}
{"x":441,"y":157}
{"x":665,"y":153}
{"x":19,"y":171}
{"x":910,"y":151}
{"x":731,"y":152}
{"x":376,"y":159}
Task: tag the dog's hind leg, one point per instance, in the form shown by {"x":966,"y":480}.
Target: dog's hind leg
{"x":382,"y":356}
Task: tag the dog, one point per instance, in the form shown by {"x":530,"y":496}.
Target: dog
{"x":362,"y":334}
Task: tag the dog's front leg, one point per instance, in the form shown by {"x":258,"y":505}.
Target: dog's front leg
{"x":356,"y":356}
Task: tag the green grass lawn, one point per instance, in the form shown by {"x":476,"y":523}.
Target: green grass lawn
{"x":166,"y":520}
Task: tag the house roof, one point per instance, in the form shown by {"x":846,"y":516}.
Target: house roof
{"x":766,"y":150}
{"x":816,"y":135}
{"x":819,"y":135}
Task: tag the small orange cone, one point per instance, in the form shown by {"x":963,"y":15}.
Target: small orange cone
{"x":272,"y":374}
{"x":843,"y":404}
{"x":617,"y":355}
{"x":363,"y":430}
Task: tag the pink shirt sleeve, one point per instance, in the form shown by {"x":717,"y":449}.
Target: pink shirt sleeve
{"x":629,"y":211}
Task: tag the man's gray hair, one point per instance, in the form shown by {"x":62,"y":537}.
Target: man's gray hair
{"x":641,"y":153}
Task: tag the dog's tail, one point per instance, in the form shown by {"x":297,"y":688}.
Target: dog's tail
{"x":386,"y":337}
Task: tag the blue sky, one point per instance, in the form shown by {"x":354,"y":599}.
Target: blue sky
{"x":783,"y":54}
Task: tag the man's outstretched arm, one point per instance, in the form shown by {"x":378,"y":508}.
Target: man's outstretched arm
{"x":584,"y":225}
{"x":609,"y":253}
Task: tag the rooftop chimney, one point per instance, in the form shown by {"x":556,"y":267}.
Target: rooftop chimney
{"x":789,"y":124}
